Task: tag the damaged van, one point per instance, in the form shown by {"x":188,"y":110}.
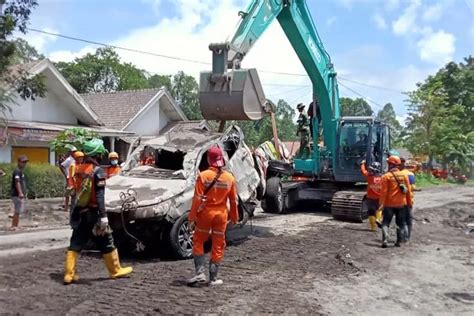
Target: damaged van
{"x":149,"y":202}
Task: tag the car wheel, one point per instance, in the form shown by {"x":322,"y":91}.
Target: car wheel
{"x":274,"y":196}
{"x":181,"y":240}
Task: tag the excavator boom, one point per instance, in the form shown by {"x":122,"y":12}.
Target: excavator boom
{"x":232,"y":93}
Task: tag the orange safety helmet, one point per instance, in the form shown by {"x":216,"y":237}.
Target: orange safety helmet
{"x":113,"y":155}
{"x":78,"y":154}
{"x":394,"y":160}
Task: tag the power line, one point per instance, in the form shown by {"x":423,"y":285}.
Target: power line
{"x":285,"y":85}
{"x":370,"y":86}
{"x":300,"y":96}
{"x":287,"y":92}
{"x":193,"y":60}
{"x":362,"y":96}
{"x":119,"y":47}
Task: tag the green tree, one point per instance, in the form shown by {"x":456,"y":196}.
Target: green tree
{"x":424,"y":106}
{"x":14,"y":16}
{"x":185,"y":90}
{"x":71,"y":137}
{"x":25,"y":53}
{"x":458,"y":84}
{"x":158,"y":81}
{"x":355,"y":107}
{"x":257,"y":132}
{"x":387,"y":115}
{"x":441,"y":120}
{"x":102,"y":71}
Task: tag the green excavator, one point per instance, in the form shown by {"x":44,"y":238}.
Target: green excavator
{"x":332,"y":174}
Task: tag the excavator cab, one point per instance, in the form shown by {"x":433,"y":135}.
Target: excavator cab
{"x":360,"y":138}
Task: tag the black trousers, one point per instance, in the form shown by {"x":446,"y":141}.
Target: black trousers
{"x":372,"y":206}
{"x":409,"y":220}
{"x":400,"y":220}
{"x":83,"y":225}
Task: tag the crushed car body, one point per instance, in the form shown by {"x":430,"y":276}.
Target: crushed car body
{"x":152,"y":196}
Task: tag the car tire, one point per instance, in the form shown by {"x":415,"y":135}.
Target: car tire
{"x":274,"y":196}
{"x":181,"y":241}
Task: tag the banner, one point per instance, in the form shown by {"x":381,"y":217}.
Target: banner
{"x":27,"y":134}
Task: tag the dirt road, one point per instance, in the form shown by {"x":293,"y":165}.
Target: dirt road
{"x":296,"y":263}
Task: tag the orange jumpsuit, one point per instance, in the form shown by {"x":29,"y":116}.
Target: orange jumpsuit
{"x":373,"y":183}
{"x":211,"y":218}
{"x":79,"y":174}
{"x":373,"y":195}
{"x":390,"y":195}
{"x":113,"y":170}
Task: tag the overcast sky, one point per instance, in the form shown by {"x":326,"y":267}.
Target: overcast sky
{"x":383,"y":43}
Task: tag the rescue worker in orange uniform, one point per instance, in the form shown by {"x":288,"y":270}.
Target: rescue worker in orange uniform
{"x":71,"y":177}
{"x":395,"y":196}
{"x":409,"y":212}
{"x":209,"y":215}
{"x":374,"y":179}
{"x":89,"y":217}
{"x":114,"y":168}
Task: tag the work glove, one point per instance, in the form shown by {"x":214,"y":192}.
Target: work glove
{"x":102,"y":228}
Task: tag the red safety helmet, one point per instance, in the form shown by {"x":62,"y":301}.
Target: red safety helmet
{"x":394,"y":160}
{"x":215,"y":157}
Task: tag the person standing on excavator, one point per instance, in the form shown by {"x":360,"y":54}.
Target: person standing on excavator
{"x":209,"y":215}
{"x":374,"y":179}
{"x":395,"y":196}
{"x":409,"y":211}
{"x":114,"y":168}
{"x":303,"y":133}
{"x":89,"y":217}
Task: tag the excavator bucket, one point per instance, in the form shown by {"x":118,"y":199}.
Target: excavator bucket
{"x":236,"y":95}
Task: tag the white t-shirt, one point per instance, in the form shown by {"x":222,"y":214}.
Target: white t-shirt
{"x":67,"y":163}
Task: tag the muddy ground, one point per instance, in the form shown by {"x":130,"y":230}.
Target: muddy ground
{"x":295,"y":264}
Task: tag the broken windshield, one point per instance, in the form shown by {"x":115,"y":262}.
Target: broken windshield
{"x":160,"y":162}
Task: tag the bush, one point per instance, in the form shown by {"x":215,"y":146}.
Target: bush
{"x":42,"y":181}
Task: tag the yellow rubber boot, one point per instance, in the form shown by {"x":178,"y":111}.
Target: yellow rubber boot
{"x":372,"y":224}
{"x":378,"y":218}
{"x":70,"y":267}
{"x":113,"y":265}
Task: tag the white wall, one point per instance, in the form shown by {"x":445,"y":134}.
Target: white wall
{"x":148,"y":124}
{"x":164,"y":119}
{"x":5,"y":154}
{"x":48,"y":110}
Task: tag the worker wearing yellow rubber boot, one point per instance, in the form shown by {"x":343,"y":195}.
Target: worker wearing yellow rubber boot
{"x":374,"y":176}
{"x":89,"y":217}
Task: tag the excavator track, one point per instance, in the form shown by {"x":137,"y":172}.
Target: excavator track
{"x":349,"y":206}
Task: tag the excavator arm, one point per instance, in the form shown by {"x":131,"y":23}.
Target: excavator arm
{"x":232,"y":93}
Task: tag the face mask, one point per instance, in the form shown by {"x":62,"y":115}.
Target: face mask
{"x":114,"y":162}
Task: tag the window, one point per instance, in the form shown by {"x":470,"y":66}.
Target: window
{"x":354,"y":138}
{"x":353,"y":144}
{"x":169,"y":160}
